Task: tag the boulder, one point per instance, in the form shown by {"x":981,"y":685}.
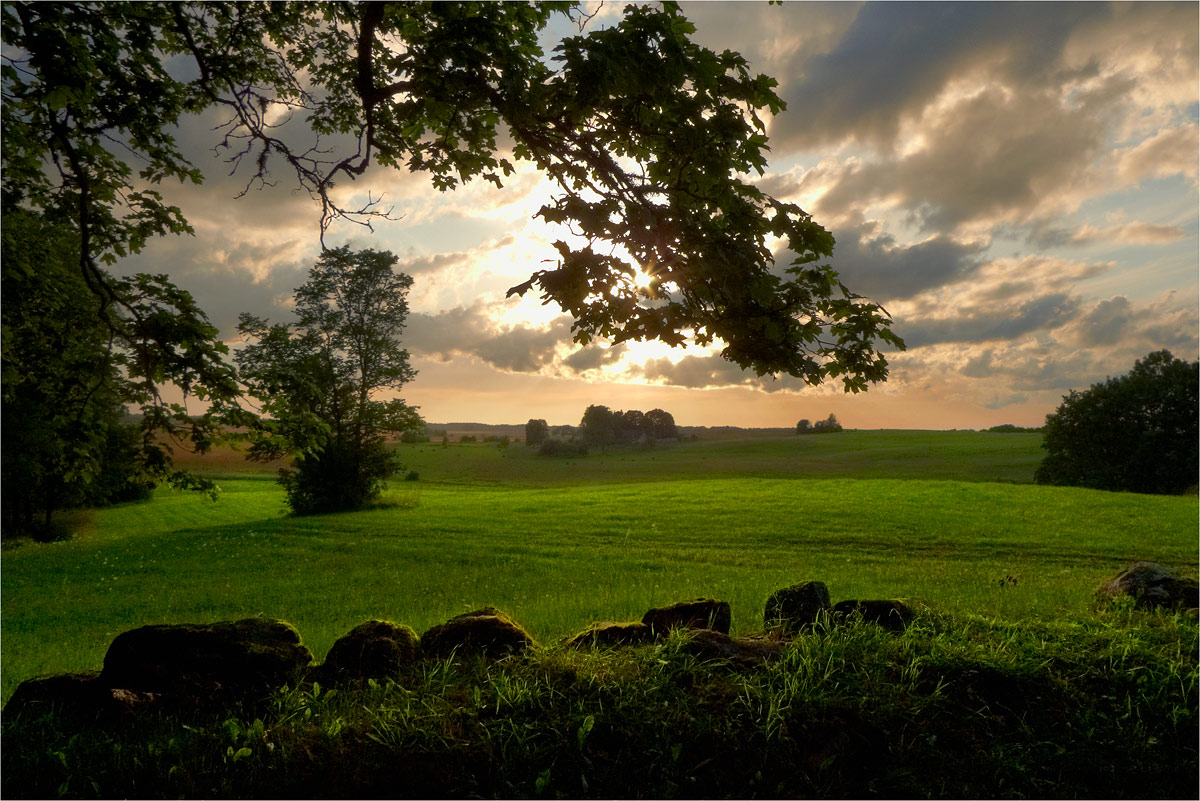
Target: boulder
{"x":1153,"y":585}
{"x":227,"y":661}
{"x":609,"y":635}
{"x":797,"y":607}
{"x":890,"y":614}
{"x":373,"y":650}
{"x":702,"y":613}
{"x":486,"y":631}
{"x":748,"y":651}
{"x":77,"y":697}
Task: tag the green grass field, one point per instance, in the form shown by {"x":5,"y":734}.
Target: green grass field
{"x":937,"y":517}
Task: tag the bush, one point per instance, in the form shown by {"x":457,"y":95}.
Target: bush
{"x":467,"y":438}
{"x":559,"y":447}
{"x":337,"y":478}
{"x":1136,"y":433}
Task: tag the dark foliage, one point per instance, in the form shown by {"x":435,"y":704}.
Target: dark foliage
{"x":601,"y":426}
{"x":65,"y":442}
{"x":554,"y":446}
{"x":1137,"y":432}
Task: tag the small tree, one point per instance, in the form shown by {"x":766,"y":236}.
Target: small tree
{"x":1137,"y":432}
{"x":803,"y":426}
{"x":536,"y":432}
{"x":317,"y":379}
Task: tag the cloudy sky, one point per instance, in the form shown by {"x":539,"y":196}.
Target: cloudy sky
{"x":1016,"y":184}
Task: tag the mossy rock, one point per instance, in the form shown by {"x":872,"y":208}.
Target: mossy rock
{"x":702,"y":613}
{"x":376,"y":649}
{"x":1152,"y":585}
{"x":486,"y":631}
{"x":747,"y":651}
{"x":797,"y":607}
{"x":235,"y":660}
{"x":76,"y":696}
{"x":610,"y":635}
{"x":891,"y":614}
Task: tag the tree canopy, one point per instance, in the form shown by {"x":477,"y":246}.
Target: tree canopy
{"x":651,"y":142}
{"x":649,"y":138}
{"x":1137,"y":432}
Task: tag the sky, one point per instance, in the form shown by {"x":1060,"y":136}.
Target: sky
{"x":1016,"y":184}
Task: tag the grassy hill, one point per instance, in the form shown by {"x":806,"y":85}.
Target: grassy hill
{"x":935,"y":516}
{"x":1004,"y":570}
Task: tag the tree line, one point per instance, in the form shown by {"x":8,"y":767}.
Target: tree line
{"x":827,"y":426}
{"x":601,"y":427}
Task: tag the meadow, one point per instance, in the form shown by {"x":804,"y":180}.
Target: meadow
{"x":946,"y":520}
{"x":935,"y":517}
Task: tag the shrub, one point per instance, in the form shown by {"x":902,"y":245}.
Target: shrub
{"x":827,"y":426}
{"x":337,"y":478}
{"x":559,"y":447}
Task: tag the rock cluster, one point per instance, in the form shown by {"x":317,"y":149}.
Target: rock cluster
{"x":244,"y":661}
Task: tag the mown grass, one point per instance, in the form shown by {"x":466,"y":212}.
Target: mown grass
{"x":925,"y":455}
{"x":558,"y":558}
{"x":946,"y":520}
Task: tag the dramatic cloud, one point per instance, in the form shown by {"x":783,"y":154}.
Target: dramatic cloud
{"x":1016,"y":182}
{"x":474,"y":331}
{"x":876,"y":266}
{"x":985,"y":324}
{"x":897,"y":58}
{"x":593,"y":357}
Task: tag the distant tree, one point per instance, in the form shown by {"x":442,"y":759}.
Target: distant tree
{"x":662,"y":424}
{"x":317,"y":378}
{"x":635,"y":427}
{"x":1137,"y":432}
{"x":827,"y":426}
{"x":536,"y":432}
{"x":599,"y":426}
{"x":803,"y":426}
